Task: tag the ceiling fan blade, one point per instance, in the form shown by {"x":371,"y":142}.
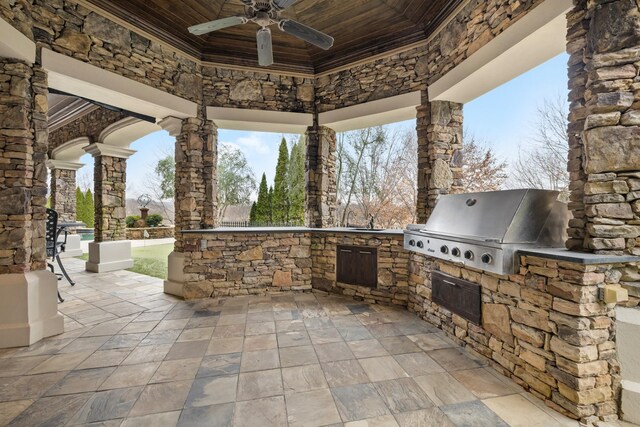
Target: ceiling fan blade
{"x":283,"y":4}
{"x":265,"y":48}
{"x":217,"y":25}
{"x":307,"y":34}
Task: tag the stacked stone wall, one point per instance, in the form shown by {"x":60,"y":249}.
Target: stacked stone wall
{"x":258,"y":91}
{"x":196,"y":159}
{"x":393,"y":267}
{"x":479,"y":22}
{"x":110,"y":182}
{"x":604,"y":130}
{"x":63,"y":194}
{"x":89,"y":126}
{"x":321,"y":177}
{"x":604,"y":126}
{"x":74,"y":30}
{"x":23,"y":174}
{"x":221,"y":264}
{"x":544,"y":327}
{"x":439,"y":129}
{"x":153,"y":232}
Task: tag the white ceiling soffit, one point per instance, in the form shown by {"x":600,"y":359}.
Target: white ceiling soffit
{"x":126,"y":131}
{"x":374,"y":113}
{"x":259,"y":120}
{"x":71,"y":151}
{"x":88,"y":81}
{"x":534,"y":39}
{"x":14,"y":44}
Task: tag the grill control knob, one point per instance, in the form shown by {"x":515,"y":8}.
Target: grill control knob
{"x":412,"y":242}
{"x":486,"y":258}
{"x":468,"y":254}
{"x":444,"y":249}
{"x":455,"y":252}
{"x":420,"y":244}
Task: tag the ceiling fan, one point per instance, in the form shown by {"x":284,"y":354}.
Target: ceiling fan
{"x":266,"y":13}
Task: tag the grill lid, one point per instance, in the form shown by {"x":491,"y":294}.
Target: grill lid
{"x":509,"y":216}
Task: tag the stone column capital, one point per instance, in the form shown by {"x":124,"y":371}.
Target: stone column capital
{"x":171,"y":124}
{"x":63,"y":164}
{"x":98,"y":149}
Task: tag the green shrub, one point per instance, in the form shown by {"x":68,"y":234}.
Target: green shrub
{"x":154,"y":220}
{"x":131,"y":220}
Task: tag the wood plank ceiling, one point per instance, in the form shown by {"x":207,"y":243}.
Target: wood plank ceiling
{"x":361,"y":28}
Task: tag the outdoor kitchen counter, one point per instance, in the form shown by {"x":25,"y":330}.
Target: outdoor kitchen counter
{"x":559,"y":254}
{"x":280,"y":230}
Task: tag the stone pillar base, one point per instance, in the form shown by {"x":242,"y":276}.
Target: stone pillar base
{"x":72,"y":248}
{"x":628,"y":343}
{"x":109,"y":256}
{"x":174,"y":285}
{"x":28,"y":308}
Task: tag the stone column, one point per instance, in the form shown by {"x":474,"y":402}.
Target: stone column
{"x":63,"y":200}
{"x":321,"y":178}
{"x":604,"y":159}
{"x":196,"y":190}
{"x":439,"y":128}
{"x":28,"y":304}
{"x":604,"y":127}
{"x":109,"y":251}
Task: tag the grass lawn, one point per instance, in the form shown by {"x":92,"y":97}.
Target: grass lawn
{"x":149,"y":260}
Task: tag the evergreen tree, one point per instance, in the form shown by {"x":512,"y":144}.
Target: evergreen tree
{"x":270,"y":205}
{"x":263,"y":209}
{"x":89,"y":209}
{"x":80,"y":205}
{"x":252,"y":213}
{"x":280,"y":201}
{"x":296,"y":181}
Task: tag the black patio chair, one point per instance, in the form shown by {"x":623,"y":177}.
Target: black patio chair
{"x":55,"y":247}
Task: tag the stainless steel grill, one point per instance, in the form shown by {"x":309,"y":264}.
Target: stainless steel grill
{"x":485,"y":230}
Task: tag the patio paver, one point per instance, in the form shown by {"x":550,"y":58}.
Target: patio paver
{"x":285,"y":359}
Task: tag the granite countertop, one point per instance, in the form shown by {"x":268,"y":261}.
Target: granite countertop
{"x":561,"y":254}
{"x":277,"y":230}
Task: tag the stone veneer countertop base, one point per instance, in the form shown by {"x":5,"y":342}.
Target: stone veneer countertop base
{"x":559,"y":254}
{"x":277,"y":230}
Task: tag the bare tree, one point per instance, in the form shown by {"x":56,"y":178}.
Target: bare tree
{"x":481,"y":169}
{"x":544,"y":163}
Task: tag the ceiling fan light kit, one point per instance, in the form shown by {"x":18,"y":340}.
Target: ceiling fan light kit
{"x":266,"y":13}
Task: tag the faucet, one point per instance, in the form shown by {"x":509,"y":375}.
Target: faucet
{"x":371,"y":220}
{"x":348,"y":216}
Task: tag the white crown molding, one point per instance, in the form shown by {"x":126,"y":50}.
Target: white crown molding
{"x":534,"y":39}
{"x":379,"y":112}
{"x":98,"y":149}
{"x":113,"y":127}
{"x":14,"y":44}
{"x":259,"y":120}
{"x":63,"y":164}
{"x":79,"y":78}
{"x":171,"y":124}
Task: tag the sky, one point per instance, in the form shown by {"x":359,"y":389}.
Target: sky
{"x":502,"y":119}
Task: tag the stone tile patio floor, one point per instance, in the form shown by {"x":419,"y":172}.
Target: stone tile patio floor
{"x":133,"y":356}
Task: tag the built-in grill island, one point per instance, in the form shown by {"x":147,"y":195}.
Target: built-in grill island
{"x":486,"y":230}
